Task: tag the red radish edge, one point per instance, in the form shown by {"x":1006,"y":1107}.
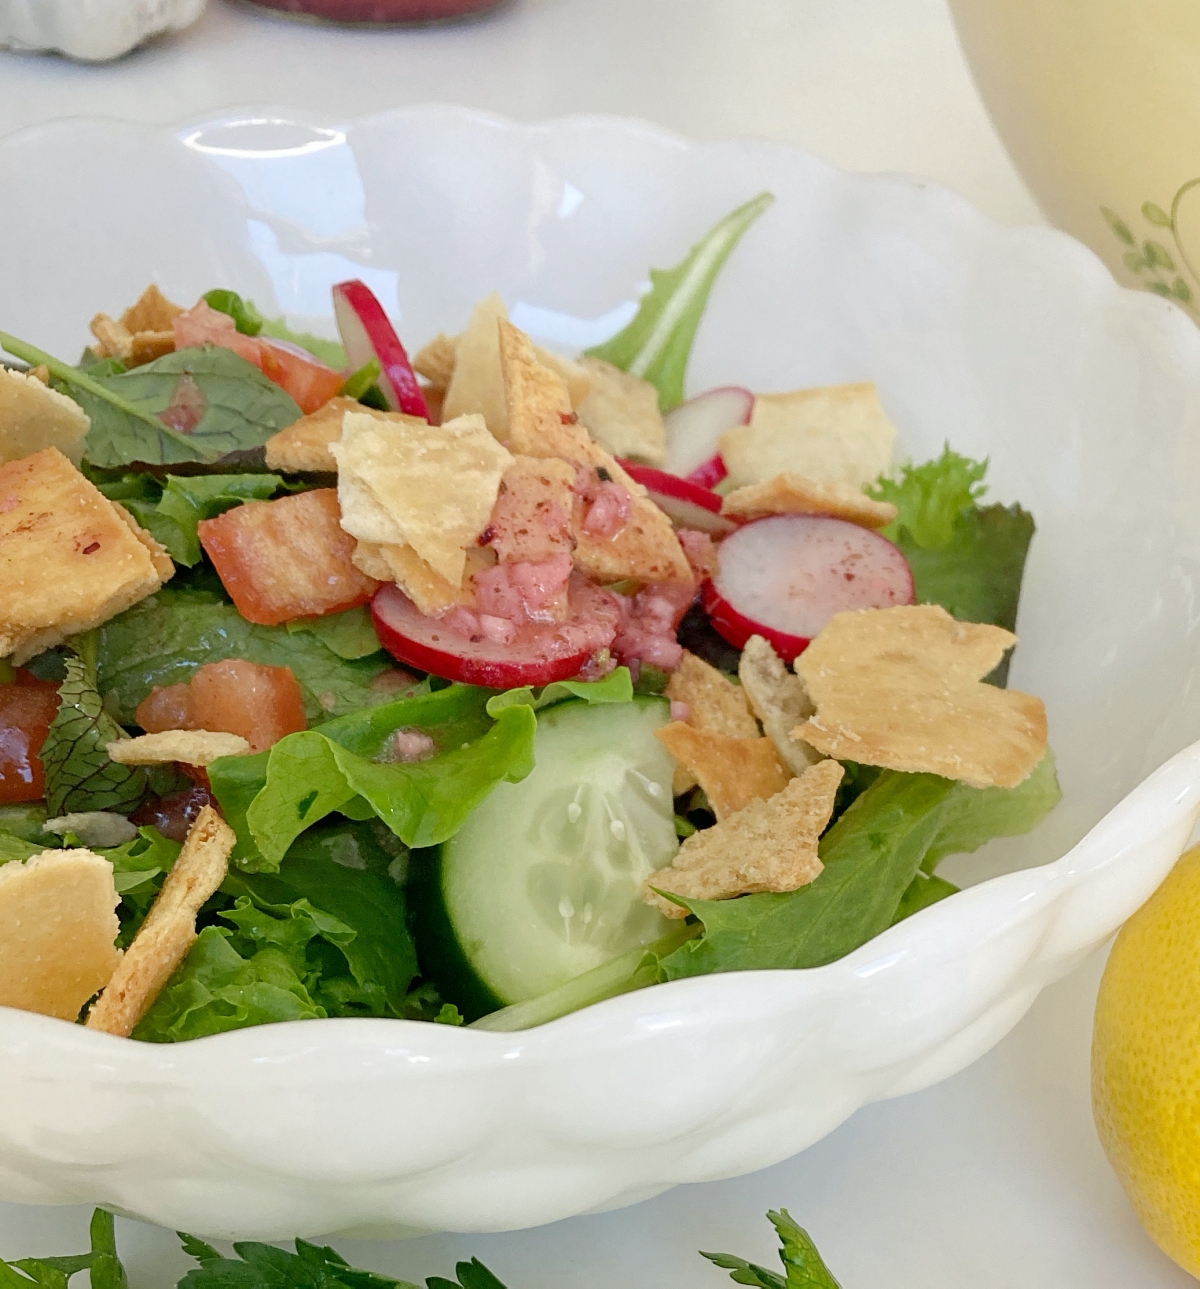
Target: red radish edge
{"x":367,"y":333}
{"x":710,"y":473}
{"x":734,"y":627}
{"x":686,"y":503}
{"x":420,"y":641}
{"x":801,"y":570}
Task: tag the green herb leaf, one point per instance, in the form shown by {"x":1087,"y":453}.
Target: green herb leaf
{"x":357,"y":383}
{"x":330,"y":352}
{"x":343,"y":870}
{"x":471,"y":1275}
{"x":312,"y":774}
{"x":349,"y":634}
{"x":931,"y":497}
{"x":616,"y":687}
{"x":106,"y":1269}
{"x":656,"y":345}
{"x":245,"y":316}
{"x":263,"y":1266}
{"x":902,"y":825}
{"x":79,"y":775}
{"x":802,"y":1263}
{"x":922,"y":891}
{"x":188,"y":500}
{"x":165,"y":638}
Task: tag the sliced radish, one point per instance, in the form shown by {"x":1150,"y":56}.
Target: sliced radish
{"x":784,"y":577}
{"x":366,"y":333}
{"x":537,"y":654}
{"x":686,"y":504}
{"x":709,"y":473}
{"x":694,"y":427}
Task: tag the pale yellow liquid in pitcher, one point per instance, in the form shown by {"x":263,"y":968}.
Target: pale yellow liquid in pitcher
{"x":1098,"y":101}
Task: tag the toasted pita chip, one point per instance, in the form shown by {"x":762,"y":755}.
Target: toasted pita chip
{"x":169,"y":931}
{"x":732,"y":771}
{"x":477,"y":385}
{"x":716,"y":705}
{"x":164,"y":566}
{"x":429,"y":591}
{"x":152,"y":312}
{"x":113,"y":339}
{"x":41,"y":372}
{"x":767,"y":846}
{"x":901,"y":688}
{"x":778,"y":699}
{"x":532,"y":517}
{"x":304,"y":445}
{"x":793,"y":494}
{"x":838,"y":434}
{"x":431,"y":487}
{"x":58,"y":931}
{"x":435,"y":361}
{"x":69,"y":557}
{"x":621,"y":413}
{"x":149,"y":345}
{"x":189,"y":747}
{"x":33,"y":417}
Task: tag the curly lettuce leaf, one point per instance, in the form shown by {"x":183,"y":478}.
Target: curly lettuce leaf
{"x":803,"y":1265}
{"x":616,"y":687}
{"x":216,"y":990}
{"x":79,"y":775}
{"x":923,"y":891}
{"x":657,"y":343}
{"x":930,"y":497}
{"x":345,"y":871}
{"x":165,"y":638}
{"x":900,"y":827}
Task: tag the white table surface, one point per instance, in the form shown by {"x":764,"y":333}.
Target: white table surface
{"x":994,"y":1179}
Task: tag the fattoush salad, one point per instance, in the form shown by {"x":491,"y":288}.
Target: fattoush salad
{"x":479,"y":687}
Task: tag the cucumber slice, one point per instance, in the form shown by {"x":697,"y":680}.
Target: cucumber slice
{"x":543,"y":881}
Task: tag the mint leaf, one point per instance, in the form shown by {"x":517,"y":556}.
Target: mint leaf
{"x":164,"y":639}
{"x":79,"y":775}
{"x":930,"y":497}
{"x":349,"y":634}
{"x":902,"y":825}
{"x":802,"y":1263}
{"x":616,"y":687}
{"x":330,"y":352}
{"x":312,"y":774}
{"x":656,"y":345}
{"x":186,"y":501}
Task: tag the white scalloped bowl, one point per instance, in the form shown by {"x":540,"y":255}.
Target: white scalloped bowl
{"x":1013,"y":344}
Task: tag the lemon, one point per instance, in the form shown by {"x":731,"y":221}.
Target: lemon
{"x":1146,"y":1062}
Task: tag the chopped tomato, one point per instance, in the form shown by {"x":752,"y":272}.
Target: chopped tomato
{"x":26,"y":710}
{"x":304,"y":377}
{"x":286,"y":559}
{"x":261,"y":703}
{"x":308,"y":380}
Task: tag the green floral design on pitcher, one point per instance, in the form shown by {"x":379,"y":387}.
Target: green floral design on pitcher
{"x":1160,"y":270}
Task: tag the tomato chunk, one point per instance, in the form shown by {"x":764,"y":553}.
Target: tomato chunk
{"x":263,"y":704}
{"x":304,"y":377}
{"x":286,"y":559}
{"x":26,"y":710}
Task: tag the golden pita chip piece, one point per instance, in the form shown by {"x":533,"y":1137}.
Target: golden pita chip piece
{"x":169,"y":931}
{"x":149,"y":345}
{"x":33,"y":416}
{"x":767,"y":846}
{"x":539,"y":418}
{"x":838,"y":434}
{"x":189,"y":747}
{"x":716,"y":704}
{"x":303,"y":446}
{"x":532,"y":518}
{"x":778,"y":699}
{"x":732,"y":771}
{"x":151,"y":312}
{"x":429,"y":591}
{"x":901,"y":688}
{"x":431,"y":487}
{"x":793,"y":494}
{"x":477,"y":385}
{"x":435,"y":361}
{"x":70,"y":559}
{"x":113,"y":339}
{"x":621,"y":413}
{"x":58,"y":931}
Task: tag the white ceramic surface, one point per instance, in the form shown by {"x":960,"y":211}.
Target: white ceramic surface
{"x":91,"y":30}
{"x":1013,"y":343}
